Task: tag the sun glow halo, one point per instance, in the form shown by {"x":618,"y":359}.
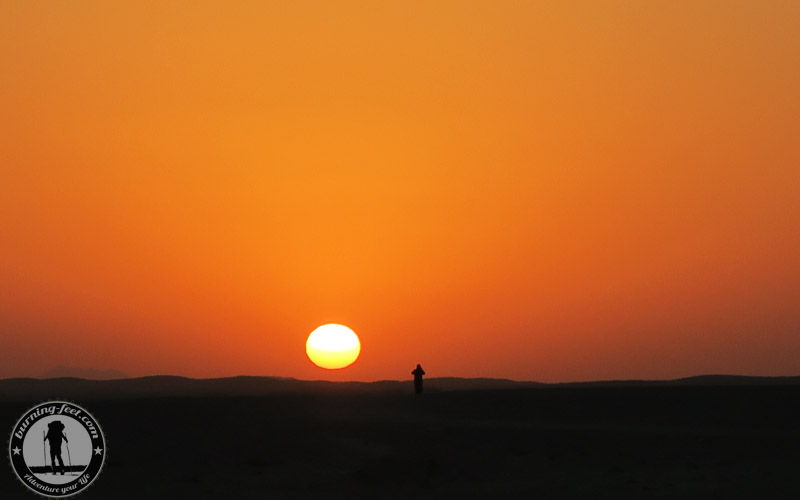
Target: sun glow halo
{"x":333,"y":346}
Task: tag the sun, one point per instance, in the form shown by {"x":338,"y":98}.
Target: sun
{"x":333,"y":346}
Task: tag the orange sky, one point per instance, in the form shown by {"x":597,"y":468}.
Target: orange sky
{"x":550,"y":191}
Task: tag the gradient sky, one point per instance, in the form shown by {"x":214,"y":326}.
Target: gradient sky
{"x":549,"y":191}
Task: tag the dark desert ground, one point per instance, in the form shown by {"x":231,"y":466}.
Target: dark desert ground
{"x":245,"y":437}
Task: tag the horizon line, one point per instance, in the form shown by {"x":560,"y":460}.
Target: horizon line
{"x":447,"y":377}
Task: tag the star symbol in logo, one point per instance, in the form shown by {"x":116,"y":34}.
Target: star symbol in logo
{"x":16,"y":450}
{"x":98,"y":450}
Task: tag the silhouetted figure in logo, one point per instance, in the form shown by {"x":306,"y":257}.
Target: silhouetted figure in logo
{"x":418,"y":373}
{"x":55,"y":433}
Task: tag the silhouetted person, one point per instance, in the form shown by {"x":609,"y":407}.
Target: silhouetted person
{"x":418,"y":373}
{"x":55,"y":433}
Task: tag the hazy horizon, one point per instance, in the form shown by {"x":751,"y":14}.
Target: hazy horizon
{"x":91,"y":374}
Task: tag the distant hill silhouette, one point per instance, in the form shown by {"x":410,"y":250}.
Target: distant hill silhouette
{"x":174,"y":386}
{"x":698,"y":380}
{"x":62,"y":371}
{"x":168,"y":386}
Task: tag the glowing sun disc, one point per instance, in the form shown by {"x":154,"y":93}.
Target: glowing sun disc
{"x":333,"y":346}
